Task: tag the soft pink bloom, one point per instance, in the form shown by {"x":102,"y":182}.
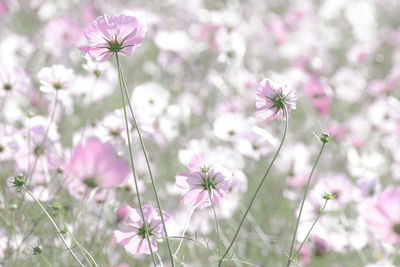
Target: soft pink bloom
{"x":272,"y":98}
{"x":13,"y":80}
{"x":112,"y":34}
{"x":95,"y":164}
{"x":122,"y":212}
{"x":200,"y":181}
{"x":314,"y":89}
{"x":56,"y":77}
{"x":133,"y":235}
{"x":63,"y":31}
{"x":255,"y":143}
{"x":383,"y":216}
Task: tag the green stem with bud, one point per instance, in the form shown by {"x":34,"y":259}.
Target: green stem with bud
{"x":53,"y":223}
{"x":81,"y":248}
{"x":309,"y":232}
{"x":302,"y":202}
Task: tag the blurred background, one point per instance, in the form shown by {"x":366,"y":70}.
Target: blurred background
{"x":193,"y":83}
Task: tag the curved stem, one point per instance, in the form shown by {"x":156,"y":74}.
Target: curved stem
{"x":53,"y":223}
{"x":309,"y":232}
{"x":132,"y":163}
{"x":302,"y":204}
{"x":186,"y":225}
{"x":258,"y":188}
{"x":81,"y":248}
{"x":147,"y":161}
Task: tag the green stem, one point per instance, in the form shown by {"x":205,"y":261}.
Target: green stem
{"x":53,"y":223}
{"x":302,"y":204}
{"x":132,"y":163}
{"x":41,"y":146}
{"x":147,"y":161}
{"x":309,"y":232}
{"x":258,"y":188}
{"x":82,"y":249}
{"x":216,"y":225}
{"x":45,"y":260}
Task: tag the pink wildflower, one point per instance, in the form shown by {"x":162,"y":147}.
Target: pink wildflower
{"x":200,"y":181}
{"x":272,"y":98}
{"x":133,"y":235}
{"x":95,"y":165}
{"x":383,"y":216}
{"x":112,"y":34}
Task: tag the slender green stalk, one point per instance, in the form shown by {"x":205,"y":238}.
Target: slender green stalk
{"x":132,"y":163}
{"x":81,"y":248}
{"x":309,"y":232}
{"x":258,"y":188}
{"x":45,"y":260}
{"x":302,"y":204}
{"x":147,"y":161}
{"x":41,"y":146}
{"x":53,"y":223}
{"x":216,"y":224}
{"x":186,"y":225}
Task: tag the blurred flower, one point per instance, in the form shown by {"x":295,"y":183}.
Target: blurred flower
{"x":112,"y":34}
{"x":349,"y":84}
{"x":201,"y":181}
{"x":150,"y":99}
{"x":255,"y":143}
{"x":95,"y":165}
{"x":13,"y":80}
{"x":272,"y":98}
{"x":383,"y":216}
{"x":315,"y":90}
{"x":3,"y":243}
{"x":61,"y":33}
{"x":133,"y":235}
{"x":229,"y":126}
{"x":56,"y":77}
{"x":122,"y":212}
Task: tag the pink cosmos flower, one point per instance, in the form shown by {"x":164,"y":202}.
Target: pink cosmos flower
{"x":201,"y":180}
{"x":272,"y":98}
{"x":383,"y":216}
{"x":133,"y":234}
{"x":94,"y":164}
{"x":112,"y":34}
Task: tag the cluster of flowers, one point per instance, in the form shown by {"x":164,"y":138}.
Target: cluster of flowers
{"x":195,"y":91}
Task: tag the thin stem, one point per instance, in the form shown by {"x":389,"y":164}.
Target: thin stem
{"x":41,"y":146}
{"x":216,"y":225}
{"x":309,"y":232}
{"x":132,"y":163}
{"x":258,"y":188}
{"x":82,"y":249}
{"x":45,"y":260}
{"x":147,"y":161}
{"x":53,"y":223}
{"x":302,"y":204}
{"x":186,"y":225}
